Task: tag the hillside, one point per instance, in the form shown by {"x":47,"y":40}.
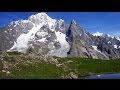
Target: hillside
{"x":20,"y":66}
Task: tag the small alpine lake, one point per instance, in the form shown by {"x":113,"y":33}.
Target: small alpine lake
{"x":104,"y":76}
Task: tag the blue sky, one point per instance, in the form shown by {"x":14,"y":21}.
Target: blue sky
{"x":105,"y":22}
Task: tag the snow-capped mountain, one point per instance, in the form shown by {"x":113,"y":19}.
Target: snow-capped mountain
{"x":102,"y":34}
{"x":40,"y":34}
{"x":111,"y":39}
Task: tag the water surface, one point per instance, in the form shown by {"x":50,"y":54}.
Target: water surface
{"x":104,"y":76}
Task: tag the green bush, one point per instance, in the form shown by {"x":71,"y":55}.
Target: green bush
{"x":14,"y":53}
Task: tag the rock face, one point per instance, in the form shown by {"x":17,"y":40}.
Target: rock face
{"x":42,"y":35}
{"x":107,"y":45}
{"x":10,"y":33}
{"x":81,"y":43}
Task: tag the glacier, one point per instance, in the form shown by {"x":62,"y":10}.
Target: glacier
{"x":39,"y":20}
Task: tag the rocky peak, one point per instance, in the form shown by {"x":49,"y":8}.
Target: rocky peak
{"x":73,"y":22}
{"x":76,"y":32}
{"x":61,"y":26}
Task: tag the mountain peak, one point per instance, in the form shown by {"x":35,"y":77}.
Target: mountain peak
{"x":105,"y":35}
{"x":40,"y":18}
{"x":73,"y":22}
{"x":40,"y":34}
{"x":42,"y":13}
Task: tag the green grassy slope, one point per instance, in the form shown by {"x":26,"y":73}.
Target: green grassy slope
{"x":23,"y":67}
{"x":92,"y":66}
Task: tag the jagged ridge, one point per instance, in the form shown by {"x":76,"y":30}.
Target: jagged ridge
{"x":41,"y":34}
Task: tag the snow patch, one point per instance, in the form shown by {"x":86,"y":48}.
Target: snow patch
{"x":109,"y":41}
{"x":42,"y":33}
{"x":115,"y":46}
{"x":10,"y":29}
{"x":25,"y":21}
{"x":42,"y":40}
{"x":98,"y":34}
{"x":13,"y":35}
{"x":5,"y":31}
{"x":95,"y":48}
{"x":112,"y":37}
{"x":51,"y":46}
{"x":61,"y":20}
{"x":64,"y":46}
{"x":118,"y":38}
{"x":118,"y":46}
{"x":15,"y":25}
{"x":108,"y":35}
{"x":60,"y":37}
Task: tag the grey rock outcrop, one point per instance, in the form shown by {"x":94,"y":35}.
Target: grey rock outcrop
{"x":81,"y":43}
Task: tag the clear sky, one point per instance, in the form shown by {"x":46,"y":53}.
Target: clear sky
{"x":105,"y":22}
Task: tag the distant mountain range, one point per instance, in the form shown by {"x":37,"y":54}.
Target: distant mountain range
{"x":42,"y":35}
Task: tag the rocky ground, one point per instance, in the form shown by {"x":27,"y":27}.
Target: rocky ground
{"x":14,"y":65}
{"x":13,"y":61}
